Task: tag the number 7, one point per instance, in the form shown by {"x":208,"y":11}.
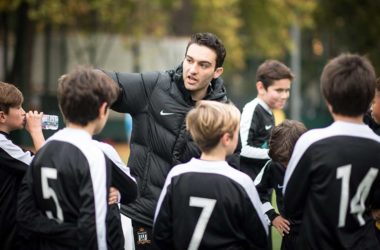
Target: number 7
{"x":208,"y":206}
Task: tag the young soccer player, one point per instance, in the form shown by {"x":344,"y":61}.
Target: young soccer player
{"x":372,"y":117}
{"x":273,"y":80}
{"x":281,"y":144}
{"x":332,"y":180}
{"x":63,"y":198}
{"x":14,"y":160}
{"x":205,"y":203}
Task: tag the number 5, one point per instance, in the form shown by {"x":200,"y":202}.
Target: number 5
{"x":208,"y":206}
{"x":48,"y":192}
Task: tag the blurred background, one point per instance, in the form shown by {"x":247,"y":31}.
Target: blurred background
{"x":42,"y":39}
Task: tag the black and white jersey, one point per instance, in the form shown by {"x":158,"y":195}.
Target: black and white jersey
{"x":209,"y":205}
{"x":331,"y":183}
{"x":271,"y":177}
{"x":68,"y":184}
{"x":14,"y":162}
{"x":256,"y":124}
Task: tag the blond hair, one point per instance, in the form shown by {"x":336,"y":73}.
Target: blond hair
{"x":209,"y":121}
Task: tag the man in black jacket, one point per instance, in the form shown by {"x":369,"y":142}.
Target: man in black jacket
{"x":158,"y":103}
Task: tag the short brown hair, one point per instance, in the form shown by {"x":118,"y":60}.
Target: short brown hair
{"x":348,"y":84}
{"x":378,"y":84}
{"x":209,"y":120}
{"x":10,"y":97}
{"x":82,"y":92}
{"x":272,"y":70}
{"x":283,"y":139}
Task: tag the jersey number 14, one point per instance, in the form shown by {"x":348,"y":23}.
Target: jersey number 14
{"x":357,"y":204}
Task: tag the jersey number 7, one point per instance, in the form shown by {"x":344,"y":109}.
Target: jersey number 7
{"x":207,"y":206}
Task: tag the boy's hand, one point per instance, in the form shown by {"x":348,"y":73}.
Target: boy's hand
{"x":33,"y":121}
{"x":281,"y":224}
{"x":113,"y":196}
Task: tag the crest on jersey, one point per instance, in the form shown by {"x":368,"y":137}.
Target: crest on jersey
{"x":142,"y":236}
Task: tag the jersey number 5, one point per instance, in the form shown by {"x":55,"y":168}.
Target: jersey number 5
{"x":357,"y":204}
{"x":48,"y":192}
{"x":207,"y":206}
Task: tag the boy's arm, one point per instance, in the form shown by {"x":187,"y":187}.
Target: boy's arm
{"x":249,"y":124}
{"x":264,"y":188}
{"x":33,"y":126}
{"x":135,"y":89}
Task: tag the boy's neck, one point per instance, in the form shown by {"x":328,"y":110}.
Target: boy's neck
{"x":89,"y":128}
{"x":214,"y":155}
{"x":352,"y":119}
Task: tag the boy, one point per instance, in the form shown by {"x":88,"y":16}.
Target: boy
{"x":281,"y":145}
{"x":372,"y":117}
{"x":14,"y":161}
{"x":273,"y":80}
{"x":332,"y":180}
{"x":69,"y":177}
{"x":206,"y":203}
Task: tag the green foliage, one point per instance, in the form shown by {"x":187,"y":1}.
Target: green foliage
{"x":352,"y":26}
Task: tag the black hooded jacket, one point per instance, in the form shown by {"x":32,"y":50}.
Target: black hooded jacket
{"x":158,"y":103}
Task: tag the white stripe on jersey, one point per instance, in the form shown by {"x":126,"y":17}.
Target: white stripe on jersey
{"x":96,"y":160}
{"x":245,"y":125}
{"x":111,"y":153}
{"x":15,"y":151}
{"x":216,"y":167}
{"x":338,"y":128}
{"x":259,"y":177}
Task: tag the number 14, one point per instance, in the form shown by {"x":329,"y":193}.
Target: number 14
{"x":357,"y":205}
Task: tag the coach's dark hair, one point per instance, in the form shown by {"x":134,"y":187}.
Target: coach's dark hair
{"x":348,"y":84}
{"x":211,"y":41}
{"x":283,"y":139}
{"x":272,"y":70}
{"x":82,"y":92}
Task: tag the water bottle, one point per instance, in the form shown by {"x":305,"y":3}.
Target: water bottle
{"x":50,"y":122}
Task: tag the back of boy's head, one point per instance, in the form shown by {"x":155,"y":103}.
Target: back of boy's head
{"x":348,"y":84}
{"x":10,"y":97}
{"x":283,"y":139}
{"x":209,"y":121}
{"x":272,"y":70}
{"x":378,"y":84}
{"x":82,"y":92}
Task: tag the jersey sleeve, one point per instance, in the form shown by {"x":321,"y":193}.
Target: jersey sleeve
{"x":121,"y":177}
{"x":296,"y":184}
{"x":264,"y":186}
{"x":163,"y":228}
{"x":254,"y":224}
{"x":13,"y":157}
{"x":249,"y":125}
{"x":135,"y":89}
